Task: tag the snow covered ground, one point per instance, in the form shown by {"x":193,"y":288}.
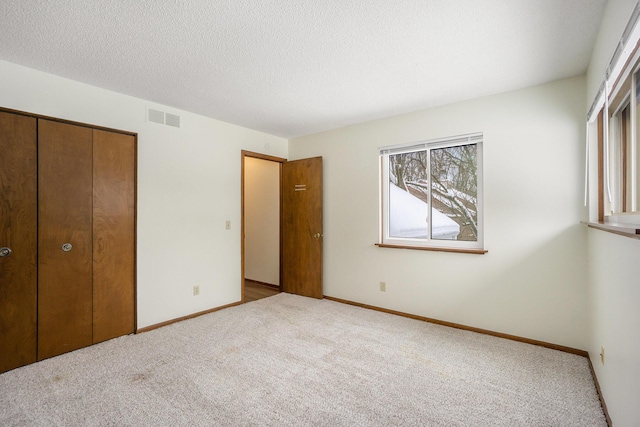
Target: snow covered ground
{"x":408,"y":218}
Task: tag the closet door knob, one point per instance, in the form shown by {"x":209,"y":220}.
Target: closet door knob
{"x":4,"y":252}
{"x":67,"y":247}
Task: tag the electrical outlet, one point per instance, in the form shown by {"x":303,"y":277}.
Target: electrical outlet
{"x":227,"y":225}
{"x":196,"y":290}
{"x":602,"y":354}
{"x":383,"y":286}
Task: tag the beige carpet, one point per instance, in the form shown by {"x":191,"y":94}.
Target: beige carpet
{"x":289,"y":360}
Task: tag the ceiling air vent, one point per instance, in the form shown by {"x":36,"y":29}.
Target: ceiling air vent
{"x":163,"y":118}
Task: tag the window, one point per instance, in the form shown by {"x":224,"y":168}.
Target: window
{"x":431,"y":194}
{"x":620,"y":154}
{"x":616,"y":109}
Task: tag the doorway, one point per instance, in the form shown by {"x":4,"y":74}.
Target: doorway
{"x":261,"y":219}
{"x":297,"y":190}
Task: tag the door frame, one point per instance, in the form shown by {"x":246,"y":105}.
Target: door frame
{"x":244,"y":154}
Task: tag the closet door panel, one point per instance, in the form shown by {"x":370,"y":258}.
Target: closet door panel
{"x":64,"y":217}
{"x":18,"y":270}
{"x":113,"y":235}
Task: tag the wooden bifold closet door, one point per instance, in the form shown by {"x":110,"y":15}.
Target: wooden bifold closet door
{"x":86,"y":200}
{"x":113,"y":235}
{"x":18,"y":211}
{"x":68,"y":215}
{"x":65,"y":274}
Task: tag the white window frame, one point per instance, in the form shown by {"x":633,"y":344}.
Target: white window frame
{"x":385,"y":152}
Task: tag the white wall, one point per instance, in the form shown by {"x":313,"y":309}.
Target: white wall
{"x":615,"y":319}
{"x":614,"y":275}
{"x":262,"y":220}
{"x":532,"y":283}
{"x":188,"y":186}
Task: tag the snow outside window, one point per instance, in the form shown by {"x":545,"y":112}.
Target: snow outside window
{"x":432,"y":193}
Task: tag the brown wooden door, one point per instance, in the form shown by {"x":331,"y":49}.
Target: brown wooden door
{"x":64,"y":217}
{"x":18,"y":210}
{"x":302,"y":227}
{"x":113,"y":235}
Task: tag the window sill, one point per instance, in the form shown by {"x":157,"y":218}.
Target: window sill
{"x":426,"y":248}
{"x":627,"y":230}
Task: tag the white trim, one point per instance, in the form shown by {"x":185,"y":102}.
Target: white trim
{"x":432,"y":143}
{"x":607,"y":183}
{"x":634,"y":142}
{"x":430,"y":216}
{"x":598,"y":104}
{"x":586,"y":167}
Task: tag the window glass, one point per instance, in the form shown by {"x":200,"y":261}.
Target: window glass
{"x":619,"y":160}
{"x":408,"y":195}
{"x":454,"y":193}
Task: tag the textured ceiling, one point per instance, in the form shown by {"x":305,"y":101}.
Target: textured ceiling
{"x":291,"y":68}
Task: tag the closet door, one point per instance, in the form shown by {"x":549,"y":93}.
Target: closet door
{"x":113,"y":234}
{"x":18,"y":198}
{"x":65,"y":242}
